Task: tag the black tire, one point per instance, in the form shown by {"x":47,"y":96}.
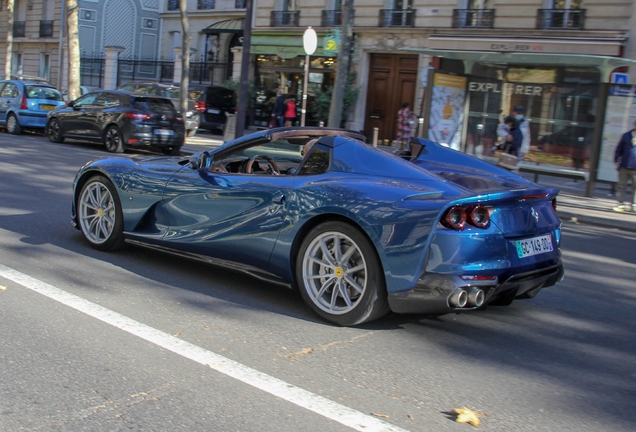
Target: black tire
{"x":361,"y":294}
{"x":53,"y":131}
{"x":171,"y":151}
{"x":113,"y":140}
{"x":100,"y":220}
{"x":13,"y":125}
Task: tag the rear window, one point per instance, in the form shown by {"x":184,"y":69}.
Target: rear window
{"x":155,"y":105}
{"x":195,"y":94}
{"x":171,"y":92}
{"x":37,"y":92}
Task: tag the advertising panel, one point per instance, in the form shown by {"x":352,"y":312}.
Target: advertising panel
{"x":446,"y":117}
{"x":619,"y":118}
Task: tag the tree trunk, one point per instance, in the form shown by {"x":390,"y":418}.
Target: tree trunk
{"x":185,"y":57}
{"x":72,"y":12}
{"x":9,"y":56}
{"x":344,"y":58}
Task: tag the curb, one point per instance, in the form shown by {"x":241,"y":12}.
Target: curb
{"x":579,"y":218}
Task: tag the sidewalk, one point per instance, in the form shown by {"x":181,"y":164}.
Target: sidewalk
{"x":572,"y":204}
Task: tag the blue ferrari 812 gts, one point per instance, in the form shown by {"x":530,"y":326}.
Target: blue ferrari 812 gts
{"x":358,"y":231}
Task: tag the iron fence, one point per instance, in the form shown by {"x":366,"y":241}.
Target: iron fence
{"x":128,"y":70}
{"x":46,"y":29}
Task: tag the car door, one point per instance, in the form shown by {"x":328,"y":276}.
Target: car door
{"x":79,"y":120}
{"x":229,"y":216}
{"x":8,"y":95}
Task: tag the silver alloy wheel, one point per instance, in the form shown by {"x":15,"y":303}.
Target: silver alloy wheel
{"x":97,"y":212}
{"x":12,"y":123}
{"x":335,"y":272}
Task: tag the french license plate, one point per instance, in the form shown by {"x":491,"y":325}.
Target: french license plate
{"x":47,"y":107}
{"x":164,"y":132}
{"x":534,"y":246}
{"x":214,"y":111}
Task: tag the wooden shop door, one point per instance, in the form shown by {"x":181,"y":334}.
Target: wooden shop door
{"x":392,"y":81}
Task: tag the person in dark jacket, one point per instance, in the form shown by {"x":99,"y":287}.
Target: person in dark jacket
{"x":512,"y":143}
{"x":279,"y":109}
{"x":625,"y":160}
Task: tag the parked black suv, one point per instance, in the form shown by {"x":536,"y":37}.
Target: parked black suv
{"x":119,"y":120}
{"x":213,"y":102}
{"x":170,"y":91}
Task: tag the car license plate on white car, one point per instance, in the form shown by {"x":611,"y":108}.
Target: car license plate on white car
{"x":534,"y":246}
{"x":165,"y":132}
{"x":214,"y":111}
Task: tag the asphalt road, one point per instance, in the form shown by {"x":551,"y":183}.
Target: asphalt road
{"x":138,"y":340}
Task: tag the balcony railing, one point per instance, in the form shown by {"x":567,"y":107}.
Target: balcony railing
{"x":473,"y":18}
{"x":19,"y":28}
{"x":397,"y":18}
{"x":239,"y":4}
{"x":331,"y":18}
{"x":173,"y":5}
{"x":205,"y":4}
{"x":569,"y":19}
{"x":46,"y":29}
{"x":284,"y":18}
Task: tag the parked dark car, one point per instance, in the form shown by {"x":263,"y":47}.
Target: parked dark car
{"x":119,"y":120}
{"x":213,"y":102}
{"x":25,"y":104}
{"x":170,"y":91}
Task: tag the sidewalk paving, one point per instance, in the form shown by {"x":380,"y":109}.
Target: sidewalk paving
{"x":572,"y":204}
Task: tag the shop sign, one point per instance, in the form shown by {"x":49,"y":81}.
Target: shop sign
{"x":331,"y":43}
{"x":506,"y":88}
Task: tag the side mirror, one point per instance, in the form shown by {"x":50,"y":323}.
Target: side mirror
{"x":199,"y":161}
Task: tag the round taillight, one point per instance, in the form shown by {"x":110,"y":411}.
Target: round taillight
{"x":455,"y":218}
{"x":479,"y":216}
{"x":554,"y":203}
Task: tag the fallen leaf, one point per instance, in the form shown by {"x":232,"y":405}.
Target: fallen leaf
{"x":3,"y":288}
{"x":380,"y":415}
{"x":411,"y":417}
{"x":465,"y":415}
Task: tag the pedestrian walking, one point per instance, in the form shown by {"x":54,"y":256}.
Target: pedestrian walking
{"x":279,"y":109}
{"x":290,"y":112}
{"x":405,"y":123}
{"x":625,"y":160}
{"x":518,"y":112}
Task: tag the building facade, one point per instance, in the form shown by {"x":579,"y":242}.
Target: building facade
{"x":547,"y":55}
{"x":36,"y":35}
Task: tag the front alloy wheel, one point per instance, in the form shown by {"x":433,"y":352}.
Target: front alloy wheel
{"x":340,"y":275}
{"x":99,"y":214}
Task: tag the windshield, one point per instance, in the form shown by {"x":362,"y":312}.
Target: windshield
{"x":39,"y":92}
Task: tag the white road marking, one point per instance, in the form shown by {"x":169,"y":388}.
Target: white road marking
{"x":296,"y":395}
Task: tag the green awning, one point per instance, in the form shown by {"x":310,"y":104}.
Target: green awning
{"x":235,"y":25}
{"x":605,"y":64}
{"x":284,"y":46}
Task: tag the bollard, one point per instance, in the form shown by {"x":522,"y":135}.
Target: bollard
{"x":420,"y":126}
{"x":375,"y":137}
{"x":321,"y":124}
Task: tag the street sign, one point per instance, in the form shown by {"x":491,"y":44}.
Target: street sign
{"x":331,"y":43}
{"x":620,"y":78}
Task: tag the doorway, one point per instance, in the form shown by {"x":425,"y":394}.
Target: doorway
{"x":392,"y":81}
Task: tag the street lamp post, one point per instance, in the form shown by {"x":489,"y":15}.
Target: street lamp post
{"x":310,"y":43}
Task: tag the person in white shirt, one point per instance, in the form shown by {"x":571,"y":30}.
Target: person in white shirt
{"x":518,"y":112}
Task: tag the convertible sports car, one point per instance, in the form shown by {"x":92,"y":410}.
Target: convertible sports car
{"x":357,"y":230}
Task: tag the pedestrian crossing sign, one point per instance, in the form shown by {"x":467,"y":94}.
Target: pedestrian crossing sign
{"x":620,"y":78}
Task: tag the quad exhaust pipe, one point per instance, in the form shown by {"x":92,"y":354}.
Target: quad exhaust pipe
{"x":472,"y":298}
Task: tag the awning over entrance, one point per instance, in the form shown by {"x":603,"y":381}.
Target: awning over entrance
{"x":235,"y":25}
{"x":284,"y":45}
{"x":605,"y":64}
